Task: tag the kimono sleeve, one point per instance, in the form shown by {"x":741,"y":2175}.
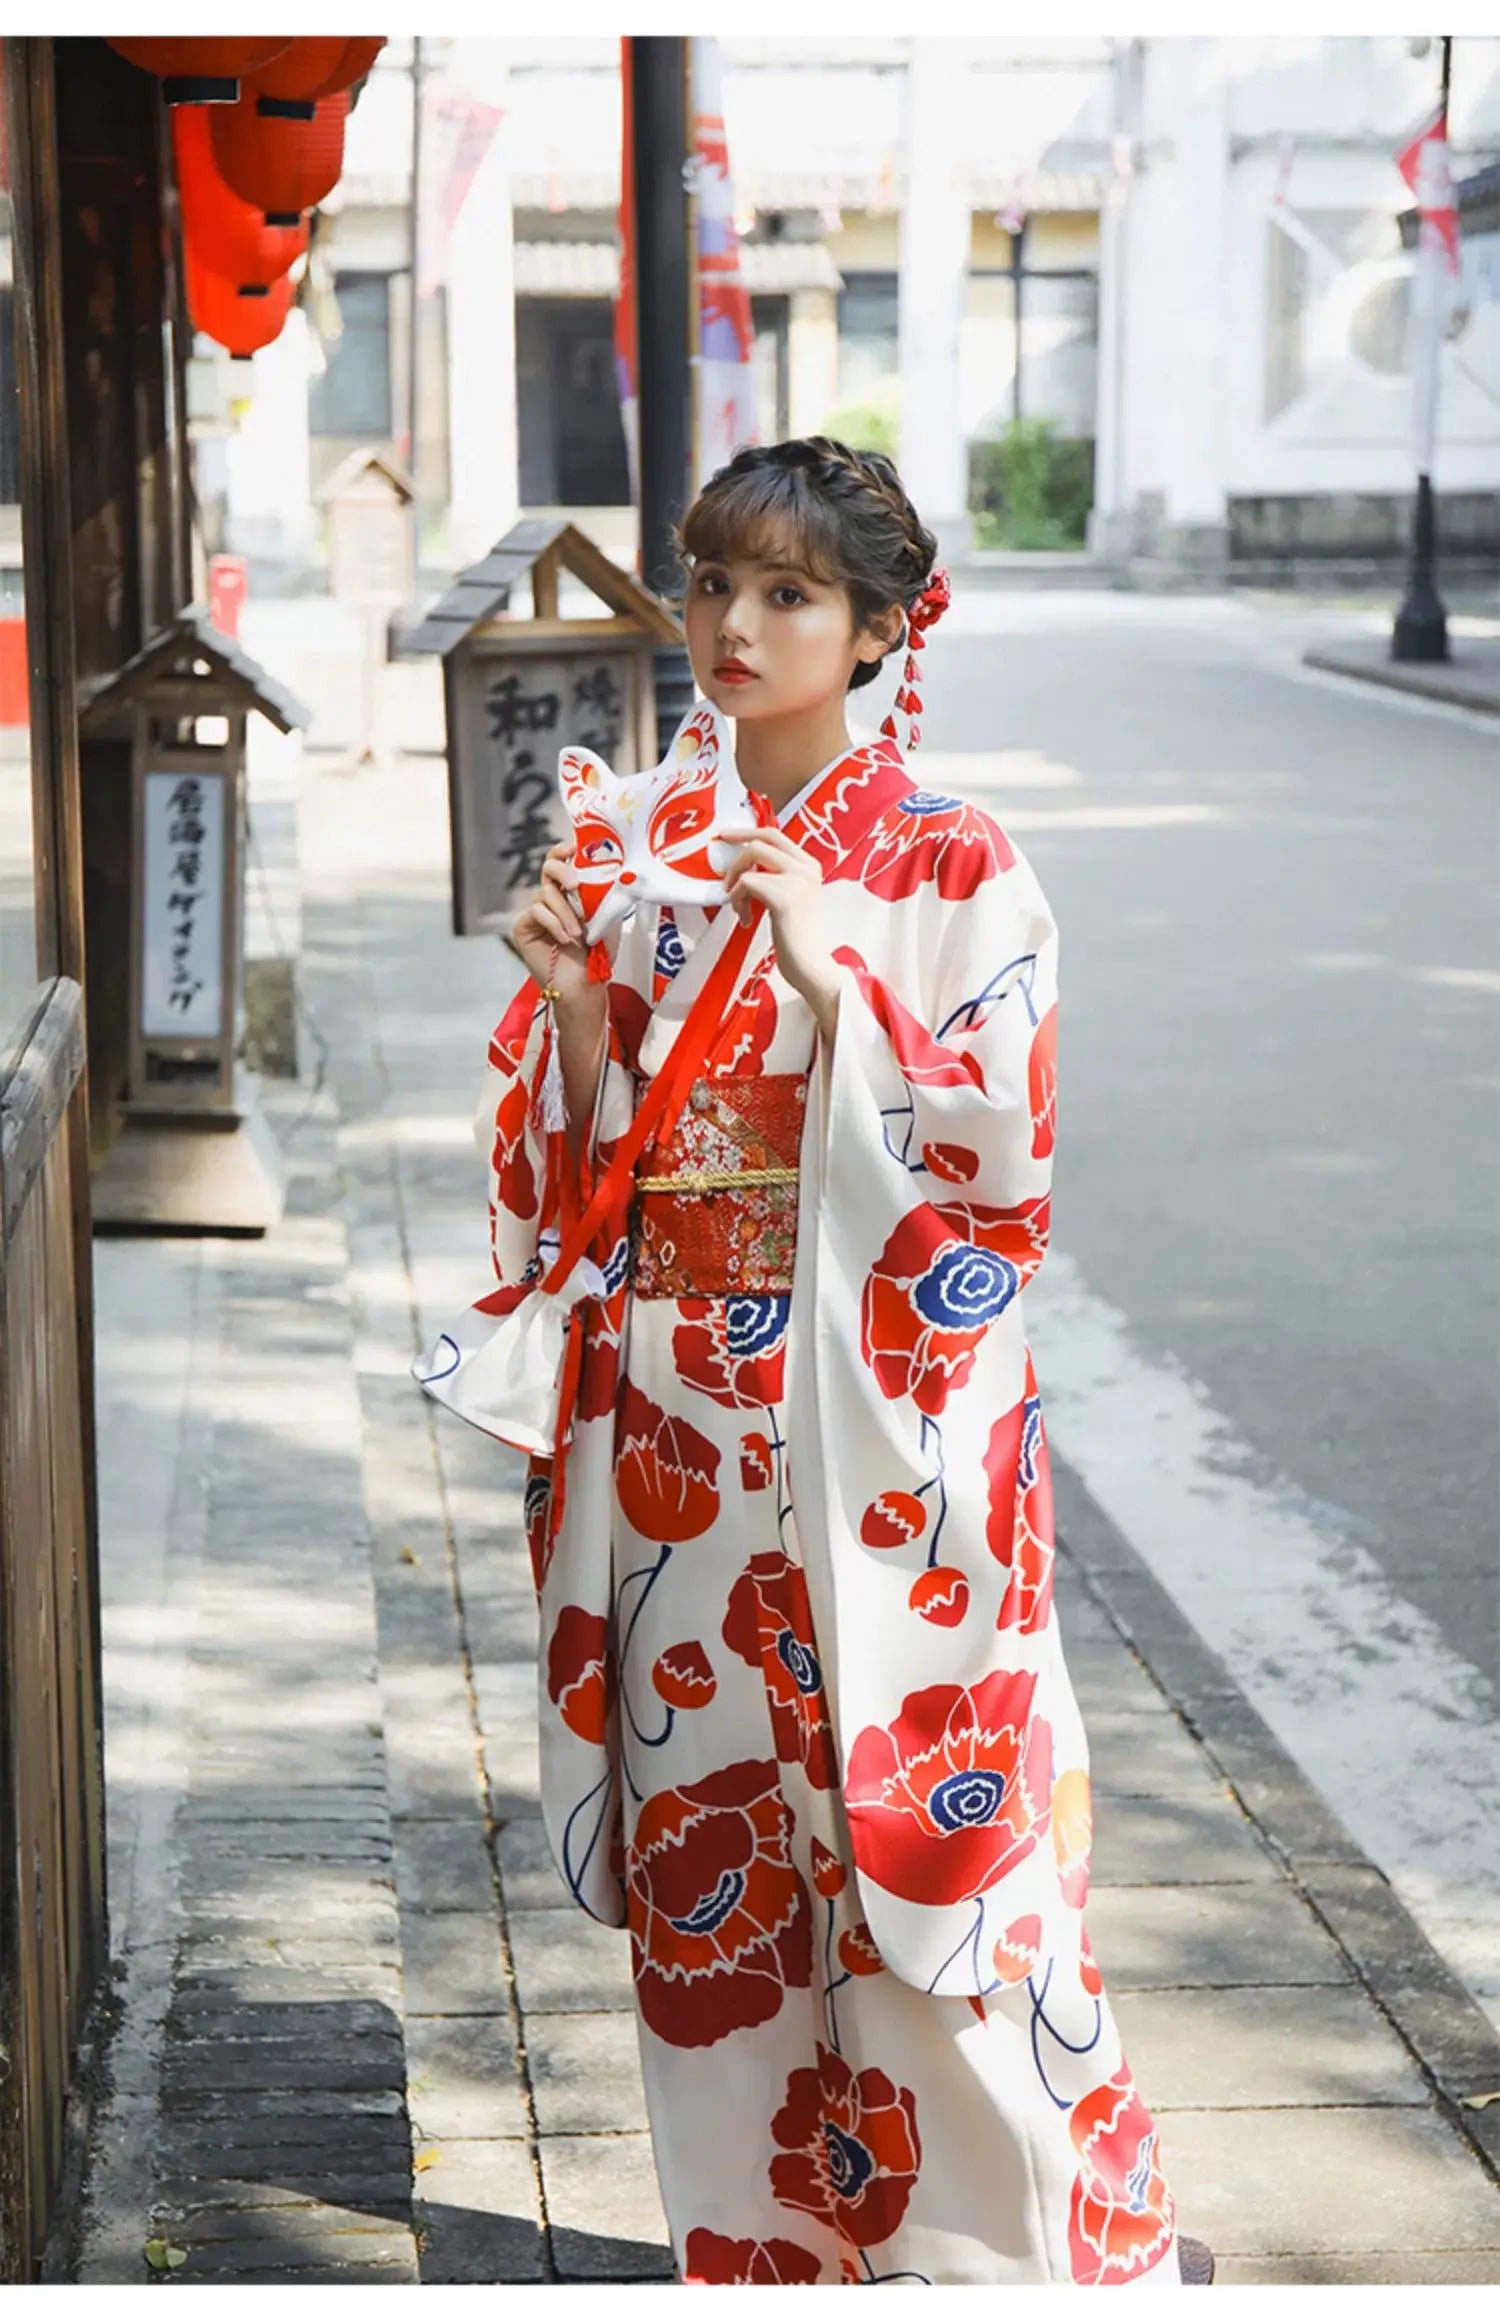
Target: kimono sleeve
{"x":511,"y":1138}
{"x":942,"y":1078}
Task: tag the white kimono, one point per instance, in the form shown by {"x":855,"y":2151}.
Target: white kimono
{"x":807,"y":1726}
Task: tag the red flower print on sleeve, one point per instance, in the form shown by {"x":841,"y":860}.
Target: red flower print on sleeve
{"x":945,"y":1275}
{"x":1018,"y":1948}
{"x":950,"y":1161}
{"x":508,"y":1040}
{"x":599,"y":1380}
{"x":1121,"y":2218}
{"x":927,"y":839}
{"x":892,"y":1520}
{"x":734,"y":1349}
{"x":684,"y":1676}
{"x":955,"y":1793}
{"x":741,"y":1051}
{"x":755,"y":1462}
{"x":666,"y":1472}
{"x":628,"y":1015}
{"x":858,"y":1953}
{"x":720,"y":1920}
{"x":850,"y":2149}
{"x":1041,"y":1079}
{"x":768,"y":1623}
{"x":536,"y":1509}
{"x":1073,"y":1833}
{"x":940,"y":1595}
{"x":828,"y":1871}
{"x":515,"y":1180}
{"x":1018,"y":1526}
{"x":580,"y":1672}
{"x":715,"y":2259}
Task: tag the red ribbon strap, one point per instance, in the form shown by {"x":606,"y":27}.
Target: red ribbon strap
{"x":661,"y":1104}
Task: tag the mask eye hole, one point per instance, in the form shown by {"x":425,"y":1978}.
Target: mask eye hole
{"x":596,"y":848}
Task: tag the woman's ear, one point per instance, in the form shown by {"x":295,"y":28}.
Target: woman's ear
{"x":881,"y":637}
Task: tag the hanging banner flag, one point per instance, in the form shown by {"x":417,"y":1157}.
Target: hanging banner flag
{"x":457,"y":132}
{"x":1286,"y":160}
{"x":1424,"y":164}
{"x":626,"y":371}
{"x":726,"y":337}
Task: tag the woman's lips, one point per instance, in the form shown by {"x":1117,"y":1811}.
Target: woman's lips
{"x":732,"y":674}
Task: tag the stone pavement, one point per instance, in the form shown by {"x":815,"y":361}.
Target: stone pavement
{"x":362,"y":2036}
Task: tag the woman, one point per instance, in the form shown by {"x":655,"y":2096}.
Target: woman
{"x":807,"y":1727}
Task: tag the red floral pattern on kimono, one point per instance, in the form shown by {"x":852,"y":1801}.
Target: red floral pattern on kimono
{"x":806,"y":1724}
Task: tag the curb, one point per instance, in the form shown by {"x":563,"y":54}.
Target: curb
{"x":1437,"y":683}
{"x":1444,"y":2029}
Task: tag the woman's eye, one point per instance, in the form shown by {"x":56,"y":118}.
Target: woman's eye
{"x":787,"y":595}
{"x":709,"y":584}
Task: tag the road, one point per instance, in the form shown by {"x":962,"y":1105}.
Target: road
{"x":1268,"y":1329}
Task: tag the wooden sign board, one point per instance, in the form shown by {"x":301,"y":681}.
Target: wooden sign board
{"x":369,"y":548}
{"x":515,"y":698}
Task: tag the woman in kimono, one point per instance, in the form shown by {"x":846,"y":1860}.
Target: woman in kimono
{"x":807,"y":1726}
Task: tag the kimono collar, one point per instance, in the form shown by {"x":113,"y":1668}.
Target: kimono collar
{"x":842,"y":805}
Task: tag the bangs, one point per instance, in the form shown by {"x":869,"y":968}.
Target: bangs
{"x":771,"y":515}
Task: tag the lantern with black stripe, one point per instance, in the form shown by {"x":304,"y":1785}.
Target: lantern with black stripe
{"x":242,"y":319}
{"x":194,"y":71}
{"x":224,"y":231}
{"x":275,"y":158}
{"x":309,"y":69}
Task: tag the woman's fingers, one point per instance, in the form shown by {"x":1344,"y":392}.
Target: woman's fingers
{"x":549,"y":915}
{"x":558,"y":871}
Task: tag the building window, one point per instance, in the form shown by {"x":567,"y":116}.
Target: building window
{"x":352,"y":398}
{"x":768,"y":315}
{"x":869,"y":333}
{"x":572,"y":441}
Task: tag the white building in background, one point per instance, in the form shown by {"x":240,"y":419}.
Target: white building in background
{"x":1183,"y":253}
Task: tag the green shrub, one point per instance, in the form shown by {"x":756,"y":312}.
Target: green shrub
{"x":868,"y":423}
{"x":1030,"y":490}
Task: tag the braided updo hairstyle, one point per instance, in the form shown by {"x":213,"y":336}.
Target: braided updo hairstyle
{"x":841,"y":512}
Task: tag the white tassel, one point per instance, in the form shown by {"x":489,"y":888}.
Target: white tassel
{"x":554,"y":1104}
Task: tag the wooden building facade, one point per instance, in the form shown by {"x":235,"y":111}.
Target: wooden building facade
{"x":96,"y":557}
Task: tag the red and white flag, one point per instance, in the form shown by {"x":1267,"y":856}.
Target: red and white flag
{"x":457,"y":132}
{"x":726,"y":336}
{"x":1425,"y":165}
{"x":627,"y":373}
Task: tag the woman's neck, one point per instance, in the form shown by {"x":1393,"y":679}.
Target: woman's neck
{"x":777,"y":756}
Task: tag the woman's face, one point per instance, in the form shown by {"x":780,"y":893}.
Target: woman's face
{"x":765,"y":640}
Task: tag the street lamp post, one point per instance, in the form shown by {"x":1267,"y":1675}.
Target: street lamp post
{"x":1420,"y":632}
{"x":659,"y":96}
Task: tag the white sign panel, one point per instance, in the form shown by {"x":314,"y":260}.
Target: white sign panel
{"x":182,"y":975}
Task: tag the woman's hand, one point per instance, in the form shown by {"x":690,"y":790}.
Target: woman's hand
{"x":771,"y":868}
{"x":548,"y":935}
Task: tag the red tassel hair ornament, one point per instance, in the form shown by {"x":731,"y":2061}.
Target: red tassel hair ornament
{"x":924,"y":612}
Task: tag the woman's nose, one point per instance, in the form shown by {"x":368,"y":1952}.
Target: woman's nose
{"x":737,"y":622}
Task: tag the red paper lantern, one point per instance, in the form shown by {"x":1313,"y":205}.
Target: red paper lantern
{"x":232,"y":238}
{"x":200,"y":71}
{"x":241,"y":320}
{"x":281,"y":166}
{"x":309,"y":69}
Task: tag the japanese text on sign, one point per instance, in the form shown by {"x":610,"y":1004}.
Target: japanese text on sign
{"x":531,"y":711}
{"x":182,"y":987}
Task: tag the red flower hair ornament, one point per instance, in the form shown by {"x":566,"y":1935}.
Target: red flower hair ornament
{"x":924,"y":612}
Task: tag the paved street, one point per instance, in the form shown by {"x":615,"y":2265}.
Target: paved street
{"x":1280,"y":1168}
{"x":362,"y":2038}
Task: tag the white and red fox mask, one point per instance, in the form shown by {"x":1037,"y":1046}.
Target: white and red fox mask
{"x":655,"y":837}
